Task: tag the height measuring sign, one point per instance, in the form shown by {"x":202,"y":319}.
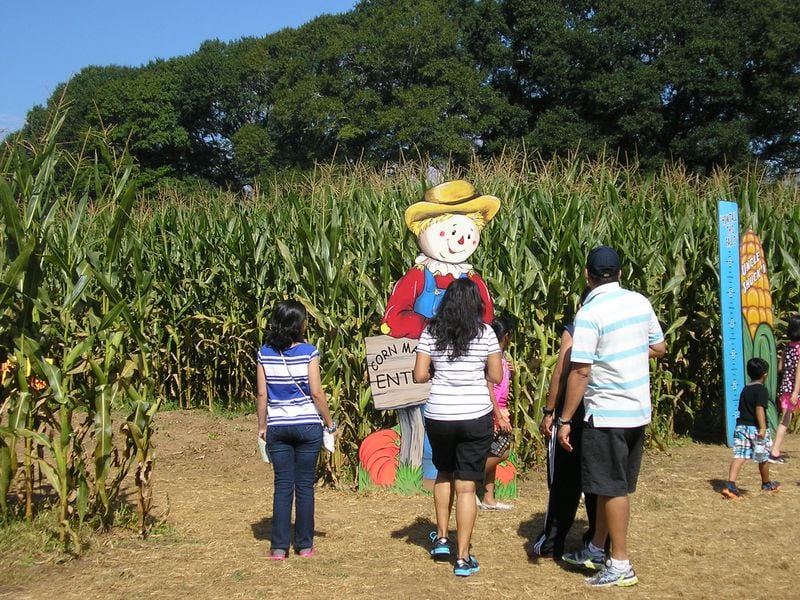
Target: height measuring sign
{"x":731,"y":316}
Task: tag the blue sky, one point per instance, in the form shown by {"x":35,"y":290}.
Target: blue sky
{"x":45,"y":42}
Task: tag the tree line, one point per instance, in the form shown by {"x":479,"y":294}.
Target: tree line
{"x":702,"y":82}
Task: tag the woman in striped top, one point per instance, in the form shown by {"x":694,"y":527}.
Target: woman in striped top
{"x":291,"y":401}
{"x":458,"y":353}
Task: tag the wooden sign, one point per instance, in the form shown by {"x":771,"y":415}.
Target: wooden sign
{"x":390,"y":364}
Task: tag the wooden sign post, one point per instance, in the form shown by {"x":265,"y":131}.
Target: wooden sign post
{"x":390,"y":364}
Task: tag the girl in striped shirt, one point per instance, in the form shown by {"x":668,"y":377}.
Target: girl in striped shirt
{"x":458,"y":353}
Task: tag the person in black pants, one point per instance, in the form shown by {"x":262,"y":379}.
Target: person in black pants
{"x":563,"y":468}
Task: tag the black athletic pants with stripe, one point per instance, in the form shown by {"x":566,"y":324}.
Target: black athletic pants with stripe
{"x":564,"y":481}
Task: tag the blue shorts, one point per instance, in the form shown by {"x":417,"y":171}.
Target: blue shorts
{"x":744,"y":440}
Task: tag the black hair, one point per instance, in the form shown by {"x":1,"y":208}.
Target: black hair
{"x":757,"y":368}
{"x":502,"y":325}
{"x":286,"y":325}
{"x":459,"y":319}
{"x":793,"y":328}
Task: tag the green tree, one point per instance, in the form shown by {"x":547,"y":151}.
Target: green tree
{"x":80,"y":95}
{"x":701,"y":81}
{"x":707,"y":83}
{"x":428,"y":93}
{"x":141,"y":112}
{"x":253,"y":151}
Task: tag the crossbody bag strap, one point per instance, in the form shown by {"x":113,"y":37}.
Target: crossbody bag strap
{"x":285,"y":364}
{"x":297,"y":385}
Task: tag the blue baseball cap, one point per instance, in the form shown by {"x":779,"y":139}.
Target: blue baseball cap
{"x":603,"y":262}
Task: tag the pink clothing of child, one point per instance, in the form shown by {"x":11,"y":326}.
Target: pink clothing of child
{"x":501,"y":389}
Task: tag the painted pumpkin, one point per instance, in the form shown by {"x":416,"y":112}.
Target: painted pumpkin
{"x":506,"y":472}
{"x":378,"y":456}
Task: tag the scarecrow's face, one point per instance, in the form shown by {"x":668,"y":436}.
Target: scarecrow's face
{"x":452,"y":240}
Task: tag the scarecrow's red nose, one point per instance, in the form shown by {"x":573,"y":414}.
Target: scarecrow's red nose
{"x":461,"y":241}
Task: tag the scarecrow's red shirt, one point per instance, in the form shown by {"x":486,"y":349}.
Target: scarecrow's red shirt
{"x":400,"y":317}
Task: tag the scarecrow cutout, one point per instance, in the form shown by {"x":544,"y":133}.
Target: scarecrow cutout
{"x":447,"y":222}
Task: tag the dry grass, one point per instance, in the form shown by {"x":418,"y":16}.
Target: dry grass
{"x":686,"y":540}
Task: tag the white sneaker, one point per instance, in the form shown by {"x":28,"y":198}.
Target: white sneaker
{"x":609,"y":577}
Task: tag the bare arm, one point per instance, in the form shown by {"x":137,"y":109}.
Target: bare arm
{"x":557,"y":383}
{"x":761,"y":419}
{"x":317,"y":393}
{"x":502,"y":421}
{"x":576,"y":387}
{"x":494,"y":367}
{"x":658,"y":350}
{"x":422,"y":368}
{"x":261,"y":401}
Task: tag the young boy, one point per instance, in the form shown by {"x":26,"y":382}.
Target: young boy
{"x":751,"y":431}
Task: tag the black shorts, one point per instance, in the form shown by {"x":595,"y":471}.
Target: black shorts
{"x":461,"y":447}
{"x":611,"y":459}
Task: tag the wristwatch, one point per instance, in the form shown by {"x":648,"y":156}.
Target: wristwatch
{"x":547,"y":411}
{"x":332,"y":428}
{"x":564,"y":421}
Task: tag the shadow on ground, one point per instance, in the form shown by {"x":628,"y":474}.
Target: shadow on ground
{"x":417,"y":533}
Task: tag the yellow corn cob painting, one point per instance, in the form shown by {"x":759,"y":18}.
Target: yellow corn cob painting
{"x":756,"y":297}
{"x":757,"y":335}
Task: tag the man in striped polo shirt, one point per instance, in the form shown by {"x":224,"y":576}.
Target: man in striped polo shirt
{"x":616,"y":333}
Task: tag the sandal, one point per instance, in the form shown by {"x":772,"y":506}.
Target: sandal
{"x":497,"y":506}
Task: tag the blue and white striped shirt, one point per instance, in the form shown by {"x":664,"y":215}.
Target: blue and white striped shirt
{"x":614,"y":330}
{"x":288,"y":393}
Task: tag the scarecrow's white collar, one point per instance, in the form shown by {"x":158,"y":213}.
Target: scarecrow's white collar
{"x":443,"y":268}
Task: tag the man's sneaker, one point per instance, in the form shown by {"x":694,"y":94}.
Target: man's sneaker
{"x":585,"y":558}
{"x":609,"y":577}
{"x":731,"y":492}
{"x":465,"y":568}
{"x":440,"y":547}
{"x":776,"y":460}
{"x":771,"y":487}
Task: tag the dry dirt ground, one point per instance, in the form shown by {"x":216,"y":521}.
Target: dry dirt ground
{"x":686,"y":540}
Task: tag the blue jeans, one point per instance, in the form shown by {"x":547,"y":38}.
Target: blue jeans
{"x":293,"y":450}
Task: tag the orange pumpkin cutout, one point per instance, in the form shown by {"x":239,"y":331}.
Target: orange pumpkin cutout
{"x":506,"y":472}
{"x":378,"y":456}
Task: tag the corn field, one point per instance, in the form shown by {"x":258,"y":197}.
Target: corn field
{"x":117,"y":305}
